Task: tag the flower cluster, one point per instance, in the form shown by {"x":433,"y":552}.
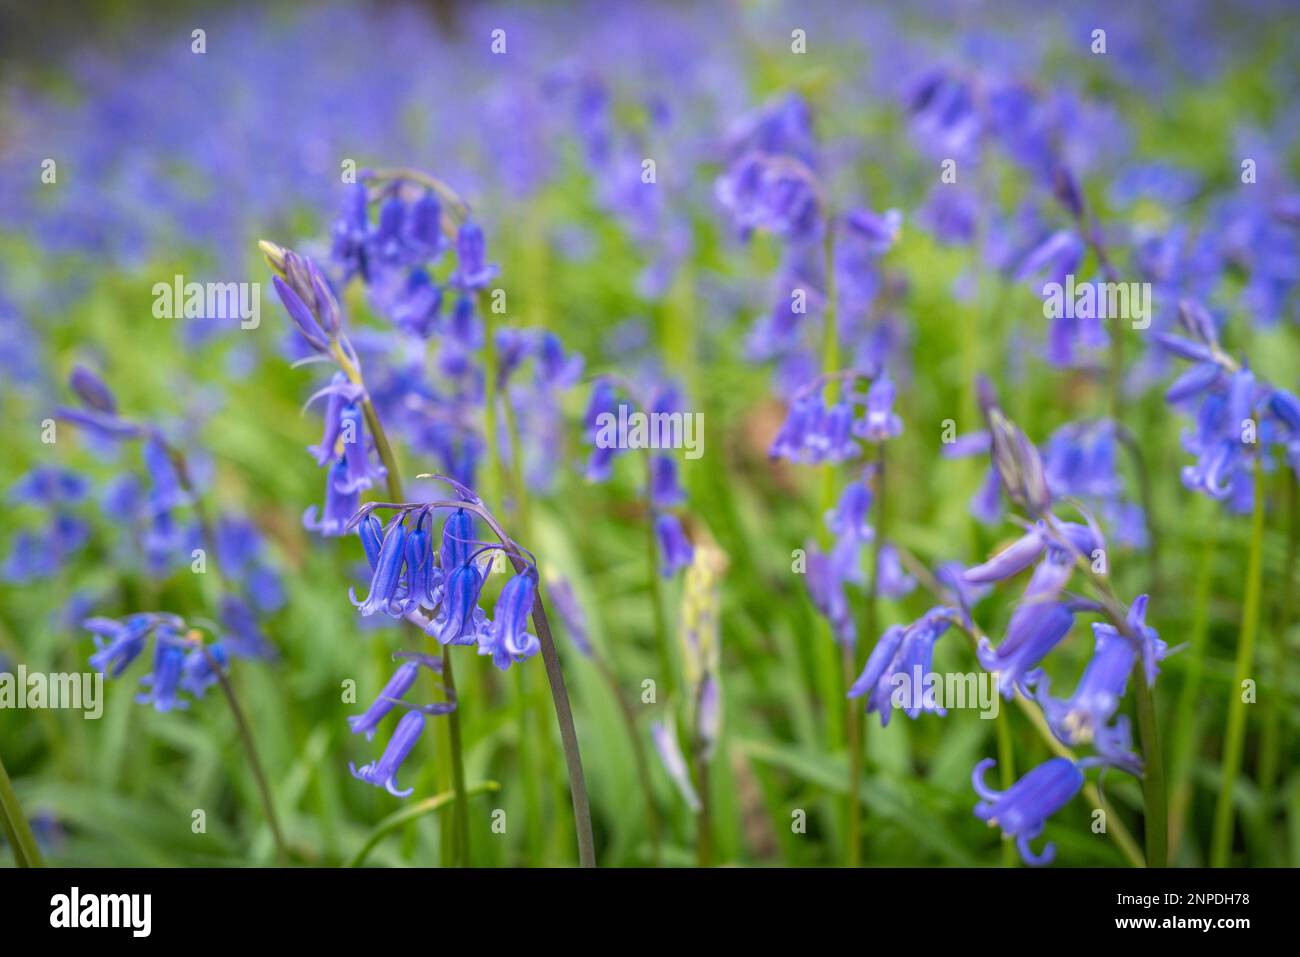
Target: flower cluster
{"x":442,"y":589}
{"x":664,"y":491}
{"x":1237,"y":415}
{"x":183,"y":661}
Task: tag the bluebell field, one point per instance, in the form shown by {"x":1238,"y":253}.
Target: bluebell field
{"x":728,"y":434}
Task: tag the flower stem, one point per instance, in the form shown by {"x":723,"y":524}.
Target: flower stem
{"x":460,"y":818}
{"x":410,"y":813}
{"x":568,"y":735}
{"x":16,"y":829}
{"x":662,"y":648}
{"x":559,"y":694}
{"x":246,"y":738}
{"x":1187,"y":720}
{"x":1271,"y":738}
{"x":1156,"y":822}
{"x":1234,"y":737}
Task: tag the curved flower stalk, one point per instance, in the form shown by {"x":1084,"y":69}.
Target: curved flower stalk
{"x":1244,"y":427}
{"x":394,"y":256}
{"x":700,"y":649}
{"x":185,"y":662}
{"x":1126,"y":647}
{"x":451,"y":613}
{"x":606,"y":427}
{"x":247,"y":583}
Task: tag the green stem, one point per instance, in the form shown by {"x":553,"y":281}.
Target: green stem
{"x":1188,"y":720}
{"x":246,"y":738}
{"x":17,"y":830}
{"x":410,"y":813}
{"x":1234,"y":737}
{"x":664,"y":652}
{"x":1156,"y":821}
{"x":1271,"y":740}
{"x":384,"y":449}
{"x":854,"y":729}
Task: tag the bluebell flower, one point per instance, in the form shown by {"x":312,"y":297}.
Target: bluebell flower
{"x":243,"y":636}
{"x":460,"y":620}
{"x":49,"y":485}
{"x":891,"y":580}
{"x":665,"y":490}
{"x":458,"y":540}
{"x":880,"y":422}
{"x":506,"y":637}
{"x":1036,"y":627}
{"x":473,"y":271}
{"x":398,"y":685}
{"x":119,"y":643}
{"x":165,"y":490}
{"x":340,"y":505}
{"x":383,"y":773}
{"x":302,"y":316}
{"x":1022,"y":810}
{"x":906,"y":652}
{"x":849,"y":518}
{"x":387,"y":574}
{"x":92,"y":390}
{"x":1012,"y":560}
{"x":164,"y":682}
{"x":197,"y":671}
{"x":675,"y":550}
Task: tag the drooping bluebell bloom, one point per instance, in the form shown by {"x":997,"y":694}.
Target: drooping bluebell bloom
{"x":387,"y":575}
{"x":49,"y":485}
{"x":826,"y":575}
{"x":1022,"y":810}
{"x":243,"y":635}
{"x":361,"y":473}
{"x":423,"y":576}
{"x":675,"y":549}
{"x":197,"y":671}
{"x":880,"y":422}
{"x":665,"y":490}
{"x":902,"y":653}
{"x":1012,"y":560}
{"x":340,"y":505}
{"x":398,"y":685}
{"x":849,"y":518}
{"x":383,"y":773}
{"x":164,"y":682}
{"x":891,"y":580}
{"x":92,"y":390}
{"x":165,"y":491}
{"x":458,"y":542}
{"x":873,"y":683}
{"x":460,"y":620}
{"x":1036,"y":627}
{"x":119,"y":643}
{"x":473,"y":271}
{"x":506,"y":637}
